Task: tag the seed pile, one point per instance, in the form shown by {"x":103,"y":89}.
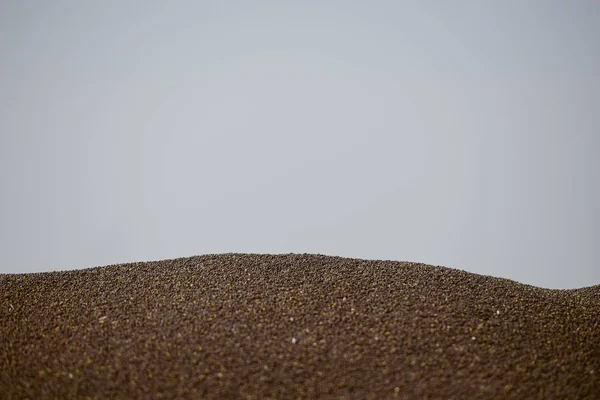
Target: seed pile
{"x":293,"y":326}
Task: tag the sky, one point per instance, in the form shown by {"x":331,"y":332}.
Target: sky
{"x":463,"y":134}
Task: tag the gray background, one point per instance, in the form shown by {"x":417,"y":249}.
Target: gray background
{"x":454,"y":133}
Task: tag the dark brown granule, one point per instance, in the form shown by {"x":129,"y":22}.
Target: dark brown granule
{"x":293,"y":326}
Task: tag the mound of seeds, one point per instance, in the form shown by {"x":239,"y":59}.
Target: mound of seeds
{"x":293,"y":326}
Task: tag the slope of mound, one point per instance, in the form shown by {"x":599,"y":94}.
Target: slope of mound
{"x":293,"y":326}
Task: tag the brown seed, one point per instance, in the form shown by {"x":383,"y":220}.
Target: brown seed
{"x":293,"y":325}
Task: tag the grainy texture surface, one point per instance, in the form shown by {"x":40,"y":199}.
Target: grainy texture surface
{"x":288,"y":326}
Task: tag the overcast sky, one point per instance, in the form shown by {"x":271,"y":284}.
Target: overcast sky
{"x":456,"y":133}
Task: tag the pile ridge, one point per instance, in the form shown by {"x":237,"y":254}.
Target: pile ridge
{"x":293,"y":326}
